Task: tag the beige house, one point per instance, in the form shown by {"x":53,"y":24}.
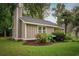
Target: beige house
{"x":25,"y":27}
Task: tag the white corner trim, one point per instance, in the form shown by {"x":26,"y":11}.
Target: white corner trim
{"x":16,"y":22}
{"x":25,"y":31}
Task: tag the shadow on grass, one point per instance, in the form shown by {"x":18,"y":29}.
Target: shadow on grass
{"x":75,"y":40}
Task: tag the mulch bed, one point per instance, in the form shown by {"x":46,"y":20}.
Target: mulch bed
{"x":36,"y":43}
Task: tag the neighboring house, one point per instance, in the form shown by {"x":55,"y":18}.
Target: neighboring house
{"x":25,"y":27}
{"x":76,"y":31}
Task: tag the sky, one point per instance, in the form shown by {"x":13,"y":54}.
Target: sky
{"x":68,"y":6}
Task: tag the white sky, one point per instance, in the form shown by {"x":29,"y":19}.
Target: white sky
{"x":51,"y":17}
{"x":53,"y":5}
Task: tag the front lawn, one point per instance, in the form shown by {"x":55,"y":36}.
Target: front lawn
{"x":9,"y":47}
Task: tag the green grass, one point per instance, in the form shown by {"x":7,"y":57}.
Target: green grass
{"x":8,"y":47}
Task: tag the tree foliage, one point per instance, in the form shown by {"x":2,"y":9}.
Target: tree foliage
{"x":6,"y":13}
{"x":76,"y":15}
{"x":36,"y":10}
{"x":67,"y":17}
{"x":59,"y":10}
{"x":76,"y":20}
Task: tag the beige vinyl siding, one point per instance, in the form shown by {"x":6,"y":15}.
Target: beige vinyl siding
{"x":19,"y":29}
{"x":58,"y":29}
{"x":50,"y":29}
{"x":23,"y":30}
{"x":31,"y":31}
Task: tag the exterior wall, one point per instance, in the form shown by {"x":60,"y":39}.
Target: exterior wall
{"x":23,"y":30}
{"x":50,"y":29}
{"x":28,"y":31}
{"x":19,"y":29}
{"x":31,"y":31}
{"x":58,"y":29}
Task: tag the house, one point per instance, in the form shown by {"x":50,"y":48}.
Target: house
{"x":26,"y":27}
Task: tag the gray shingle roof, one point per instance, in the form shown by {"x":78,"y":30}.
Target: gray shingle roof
{"x":39,"y":21}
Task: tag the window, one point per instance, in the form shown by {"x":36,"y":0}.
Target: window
{"x":41,"y":29}
{"x":44,"y":30}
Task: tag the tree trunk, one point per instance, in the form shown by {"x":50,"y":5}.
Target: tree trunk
{"x":65,"y":28}
{"x":4,"y":33}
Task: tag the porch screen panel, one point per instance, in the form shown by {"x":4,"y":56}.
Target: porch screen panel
{"x":31,"y":31}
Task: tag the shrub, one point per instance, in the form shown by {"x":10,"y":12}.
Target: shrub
{"x":60,"y":36}
{"x":68,"y":36}
{"x":42,"y":37}
{"x":75,"y":40}
{"x":50,"y":37}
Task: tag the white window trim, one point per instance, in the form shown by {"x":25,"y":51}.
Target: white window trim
{"x":46,"y":29}
{"x":41,"y":29}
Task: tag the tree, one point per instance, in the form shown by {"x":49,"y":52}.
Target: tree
{"x":36,"y":10}
{"x":76,"y":14}
{"x":76,"y":20}
{"x":59,"y":10}
{"x":6,"y":12}
{"x":66,"y":17}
